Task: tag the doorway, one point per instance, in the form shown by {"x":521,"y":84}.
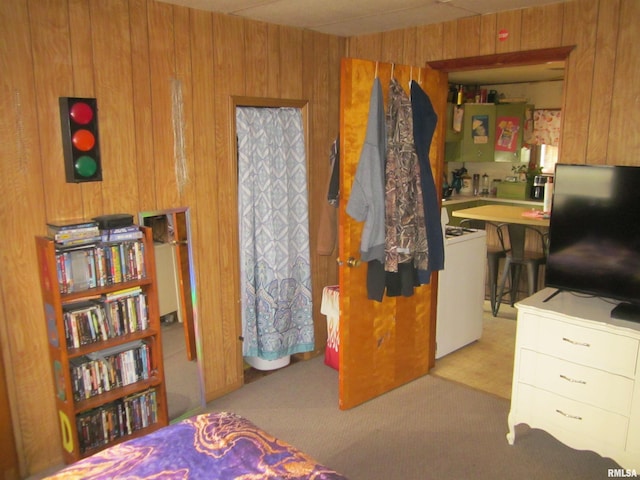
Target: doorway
{"x":270,"y":144}
{"x":177,"y":304}
{"x":487,"y":364}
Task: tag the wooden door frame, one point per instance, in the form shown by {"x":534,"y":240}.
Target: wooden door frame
{"x":512,"y":59}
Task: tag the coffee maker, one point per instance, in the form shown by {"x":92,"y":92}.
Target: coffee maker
{"x":537,"y":188}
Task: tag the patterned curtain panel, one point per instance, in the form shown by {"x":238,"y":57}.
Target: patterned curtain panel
{"x":274,"y":233}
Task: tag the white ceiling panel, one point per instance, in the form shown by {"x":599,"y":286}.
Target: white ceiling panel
{"x":357,"y":17}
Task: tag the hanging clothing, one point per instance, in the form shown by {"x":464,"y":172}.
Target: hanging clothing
{"x":366,"y":202}
{"x":406,"y":239}
{"x":327,"y":231}
{"x":274,"y":233}
{"x":425,"y":120}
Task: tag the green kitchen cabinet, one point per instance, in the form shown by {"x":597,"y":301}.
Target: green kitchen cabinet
{"x":513,"y":128}
{"x":478,"y":132}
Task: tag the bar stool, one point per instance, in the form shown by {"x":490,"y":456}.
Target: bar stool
{"x":517,"y":257}
{"x":494,"y":254}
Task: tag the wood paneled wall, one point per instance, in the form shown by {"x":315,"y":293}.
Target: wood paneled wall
{"x":600,"y":111}
{"x":133,"y":56}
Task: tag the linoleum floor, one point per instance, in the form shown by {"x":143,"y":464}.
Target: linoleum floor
{"x":486,"y":364}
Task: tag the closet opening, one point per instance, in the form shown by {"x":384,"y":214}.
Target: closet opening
{"x":270,"y":143}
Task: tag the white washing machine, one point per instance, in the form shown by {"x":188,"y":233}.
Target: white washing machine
{"x":461,"y":288}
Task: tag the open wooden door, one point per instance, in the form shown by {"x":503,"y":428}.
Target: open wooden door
{"x":382,"y":344}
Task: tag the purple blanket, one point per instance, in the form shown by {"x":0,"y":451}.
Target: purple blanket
{"x":209,"y":446}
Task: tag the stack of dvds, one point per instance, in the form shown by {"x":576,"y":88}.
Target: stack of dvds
{"x":74,"y":234}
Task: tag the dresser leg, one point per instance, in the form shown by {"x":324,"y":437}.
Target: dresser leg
{"x":511,"y":436}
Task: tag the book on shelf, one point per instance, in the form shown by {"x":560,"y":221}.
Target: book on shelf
{"x":110,"y":236}
{"x":67,"y":235}
{"x":100,"y":372}
{"x":99,"y":426}
{"x":84,"y":266}
{"x":59,"y":226}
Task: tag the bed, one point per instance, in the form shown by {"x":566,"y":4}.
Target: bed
{"x":209,"y":446}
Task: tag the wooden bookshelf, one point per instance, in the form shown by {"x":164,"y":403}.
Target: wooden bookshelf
{"x":110,"y":409}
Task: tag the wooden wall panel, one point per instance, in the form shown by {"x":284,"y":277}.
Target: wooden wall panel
{"x":468,"y":37}
{"x":577,"y":97}
{"x":21,"y":211}
{"x":511,"y":23}
{"x":53,"y":77}
{"x":409,"y":47}
{"x":257,"y":73}
{"x":367,"y":47}
{"x":429,"y":41}
{"x":162,"y":62}
{"x":205,"y":212}
{"x":542,"y":27}
{"x":112,"y":64}
{"x":624,"y":140}
{"x":450,"y":40}
{"x":142,"y":113}
{"x":229,"y":80}
{"x":603,"y":90}
{"x":291,"y":56}
{"x":488,"y":34}
{"x":314,"y":85}
{"x":273,"y":56}
{"x":392,"y":46}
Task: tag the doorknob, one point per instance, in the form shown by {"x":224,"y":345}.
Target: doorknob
{"x":351,"y":262}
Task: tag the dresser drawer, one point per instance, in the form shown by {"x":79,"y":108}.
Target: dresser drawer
{"x":607,"y":351}
{"x":567,"y":418}
{"x":584,"y":384}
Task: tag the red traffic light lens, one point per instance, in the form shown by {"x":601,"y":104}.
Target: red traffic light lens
{"x":81,"y":113}
{"x":83,"y":140}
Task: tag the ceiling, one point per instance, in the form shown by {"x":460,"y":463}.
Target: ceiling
{"x":348,"y":18}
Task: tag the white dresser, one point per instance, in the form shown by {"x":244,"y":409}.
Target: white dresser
{"x":577,"y":375}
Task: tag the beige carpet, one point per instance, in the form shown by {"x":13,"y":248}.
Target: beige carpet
{"x":429,"y":429}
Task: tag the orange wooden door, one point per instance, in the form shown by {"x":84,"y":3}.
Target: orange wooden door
{"x":382,"y":344}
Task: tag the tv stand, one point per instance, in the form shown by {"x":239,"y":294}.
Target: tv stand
{"x":626,"y":311}
{"x":577,"y":375}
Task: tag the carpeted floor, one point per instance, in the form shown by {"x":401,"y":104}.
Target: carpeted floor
{"x":431,"y":428}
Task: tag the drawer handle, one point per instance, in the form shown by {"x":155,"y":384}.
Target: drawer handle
{"x":573,"y":342}
{"x":572,"y":380}
{"x":575,"y":417}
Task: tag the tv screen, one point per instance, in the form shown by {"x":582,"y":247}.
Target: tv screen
{"x":594,"y":234}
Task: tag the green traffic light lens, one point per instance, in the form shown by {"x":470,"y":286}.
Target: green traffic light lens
{"x":86,"y":166}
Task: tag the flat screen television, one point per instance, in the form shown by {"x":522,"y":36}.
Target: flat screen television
{"x":594,"y":234}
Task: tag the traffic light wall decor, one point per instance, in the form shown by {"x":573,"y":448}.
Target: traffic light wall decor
{"x":80,"y":140}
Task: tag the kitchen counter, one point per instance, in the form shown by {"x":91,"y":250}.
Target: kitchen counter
{"x":455,"y":199}
{"x":503,"y":214}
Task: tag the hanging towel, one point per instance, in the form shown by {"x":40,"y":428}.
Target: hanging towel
{"x":330,"y":307}
{"x":425,"y":120}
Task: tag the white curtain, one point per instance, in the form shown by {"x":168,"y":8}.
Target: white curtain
{"x":274,"y":233}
